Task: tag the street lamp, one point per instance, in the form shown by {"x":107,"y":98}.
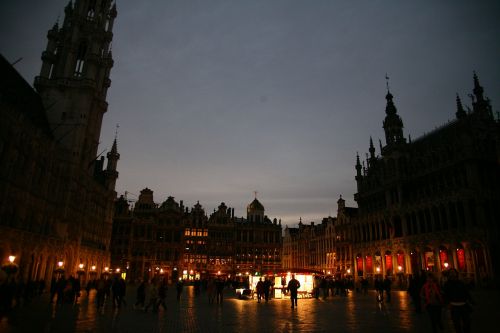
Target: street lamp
{"x":60,"y":268}
{"x":92,"y":272}
{"x":80,"y":271}
{"x":106,"y":272}
{"x":446,"y":265}
{"x":11,"y":267}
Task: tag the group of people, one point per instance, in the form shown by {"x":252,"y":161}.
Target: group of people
{"x":157,"y":290}
{"x":263,"y":288}
{"x":428,"y":294}
{"x":330,"y":286}
{"x":14,"y":291}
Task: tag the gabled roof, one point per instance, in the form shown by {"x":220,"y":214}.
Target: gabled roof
{"x":17,"y":93}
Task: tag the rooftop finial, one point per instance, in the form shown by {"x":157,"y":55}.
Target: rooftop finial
{"x":255,"y":194}
{"x":116,"y":130}
{"x":460,"y":109}
{"x":387,"y":82}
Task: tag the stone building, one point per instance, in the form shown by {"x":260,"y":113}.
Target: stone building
{"x":432,"y":203}
{"x":324,"y":247}
{"x":172,"y":240}
{"x":56,"y":195}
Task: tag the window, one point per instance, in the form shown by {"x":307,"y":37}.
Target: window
{"x":80,"y":59}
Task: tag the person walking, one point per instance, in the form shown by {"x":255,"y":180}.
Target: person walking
{"x":211,"y":291}
{"x":162,"y":295}
{"x":179,"y":287}
{"x":260,"y":289}
{"x":387,"y":288}
{"x":433,"y":302}
{"x":219,"y":287}
{"x":293,"y":286}
{"x":141,"y":295}
{"x":379,"y":288}
{"x":153,"y":297}
{"x":459,"y":300}
{"x":267,"y":288}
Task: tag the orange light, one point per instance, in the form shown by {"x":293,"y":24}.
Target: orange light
{"x":12,"y":259}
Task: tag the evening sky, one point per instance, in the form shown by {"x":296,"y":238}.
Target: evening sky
{"x":218,"y":99}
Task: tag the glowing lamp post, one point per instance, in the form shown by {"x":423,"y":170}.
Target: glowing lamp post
{"x":106,"y":272}
{"x":92,"y":272}
{"x":80,"y":271}
{"x":10,"y":268}
{"x":60,"y":268}
{"x":446,"y":265}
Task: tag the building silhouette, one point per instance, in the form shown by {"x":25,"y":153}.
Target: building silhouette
{"x":173,"y":241}
{"x":57,"y":196}
{"x":424,"y":205}
{"x":432,"y":203}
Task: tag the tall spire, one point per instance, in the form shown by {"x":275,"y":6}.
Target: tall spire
{"x":460,"y":109}
{"x":393,"y":125}
{"x":371,"y":149}
{"x":478,"y":90}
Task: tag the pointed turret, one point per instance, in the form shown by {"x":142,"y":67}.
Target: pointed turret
{"x":393,"y":125}
{"x":111,"y":174}
{"x":460,"y":109}
{"x":480,"y":105}
{"x":359,"y":168}
{"x":371,"y":149}
{"x":478,"y":90}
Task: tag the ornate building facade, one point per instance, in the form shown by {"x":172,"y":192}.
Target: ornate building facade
{"x":324,"y":247}
{"x":57,"y":197}
{"x":429,"y":204}
{"x":172,"y":240}
{"x":432,"y":203}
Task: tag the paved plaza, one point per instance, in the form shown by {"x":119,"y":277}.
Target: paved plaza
{"x":354,"y":313}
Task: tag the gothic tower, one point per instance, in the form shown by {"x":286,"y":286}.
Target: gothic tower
{"x":110,"y":173}
{"x":74,"y":78}
{"x":393,"y":125}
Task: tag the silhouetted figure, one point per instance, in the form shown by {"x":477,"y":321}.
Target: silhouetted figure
{"x":293,"y":286}
{"x":179,"y":287}
{"x":416,"y":282}
{"x":379,"y":288}
{"x":260,"y":289}
{"x":211,"y":291}
{"x":433,"y":302}
{"x":162,"y":295}
{"x":153,"y":297}
{"x":387,"y":288}
{"x":141,"y":295}
{"x":364,"y":286}
{"x":267,"y":288}
{"x":219,"y":287}
{"x":53,"y":289}
{"x":457,"y":296}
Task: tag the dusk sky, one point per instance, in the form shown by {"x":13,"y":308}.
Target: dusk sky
{"x":218,"y":99}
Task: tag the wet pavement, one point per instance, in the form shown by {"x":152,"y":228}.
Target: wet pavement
{"x":354,"y":313}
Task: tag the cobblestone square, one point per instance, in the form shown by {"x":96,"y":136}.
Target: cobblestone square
{"x":354,"y":313}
